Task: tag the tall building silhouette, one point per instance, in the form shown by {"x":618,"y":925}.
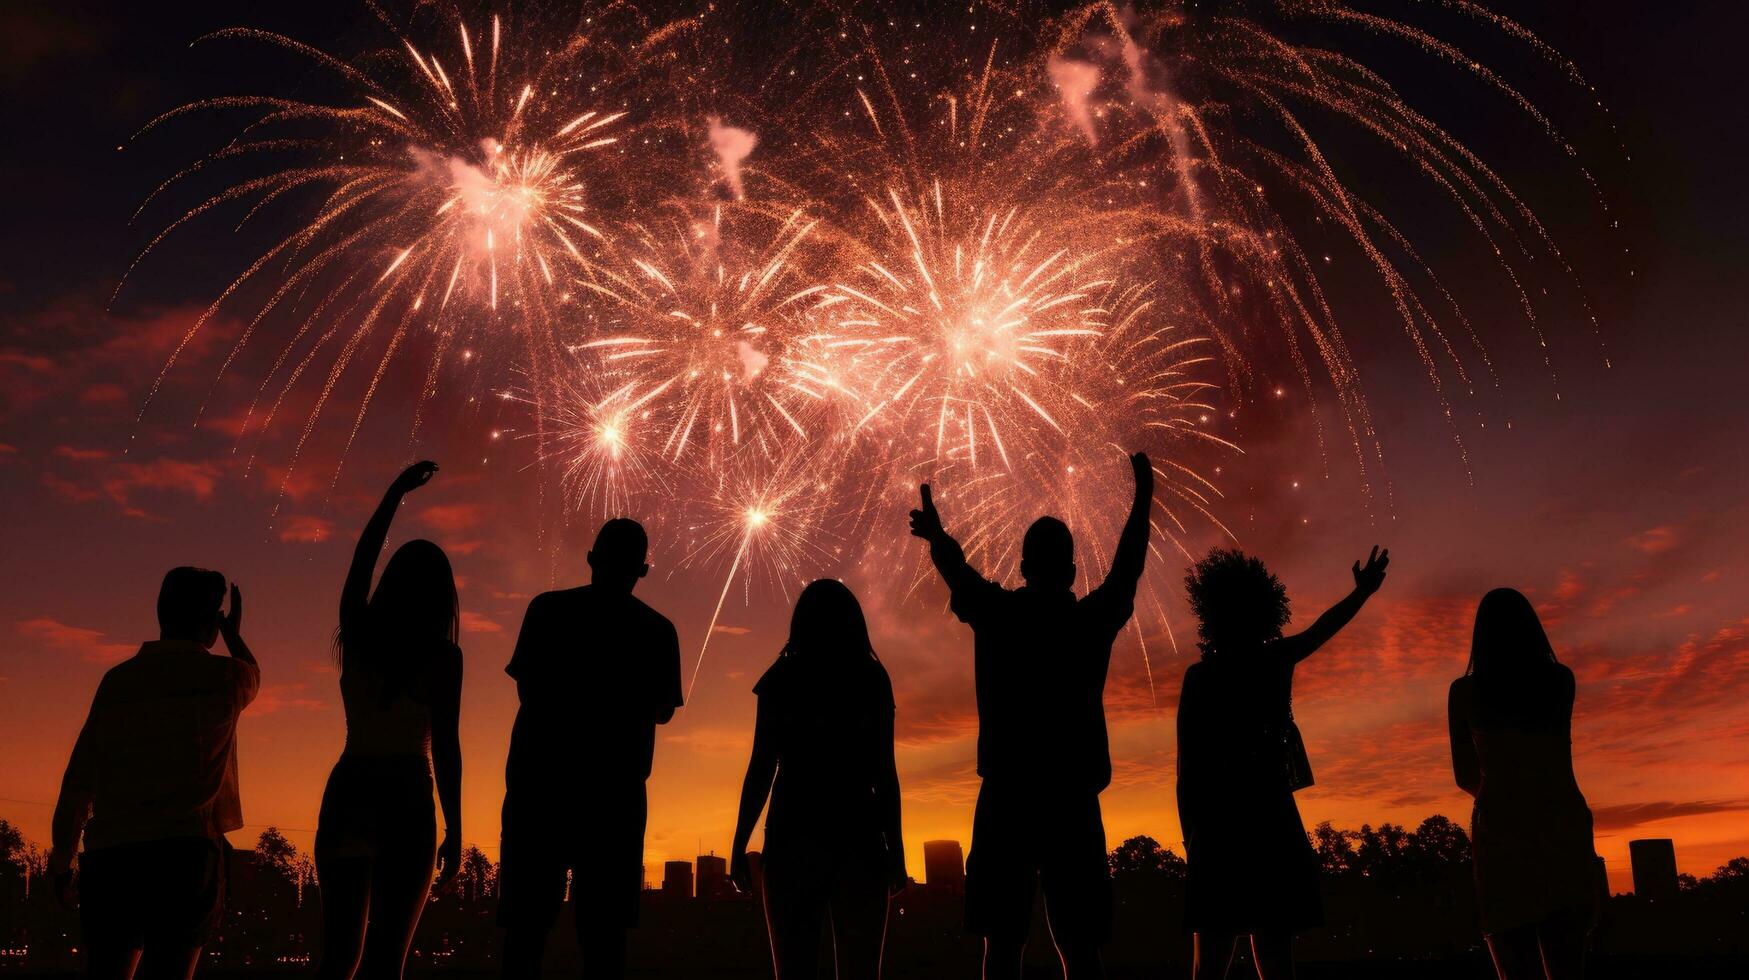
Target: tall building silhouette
{"x":713,"y":877}
{"x":677,"y":879}
{"x":1654,"y":861}
{"x":944,"y":866}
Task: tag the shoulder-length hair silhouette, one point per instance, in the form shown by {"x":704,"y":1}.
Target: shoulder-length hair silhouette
{"x":414,"y":605}
{"x":1508,"y":635}
{"x":828,"y":623}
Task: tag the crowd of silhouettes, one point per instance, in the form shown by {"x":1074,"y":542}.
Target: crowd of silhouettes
{"x":152,"y":787}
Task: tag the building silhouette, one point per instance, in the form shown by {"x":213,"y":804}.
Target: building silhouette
{"x":713,"y":877}
{"x":677,"y":880}
{"x":1654,"y":861}
{"x":944,"y":867}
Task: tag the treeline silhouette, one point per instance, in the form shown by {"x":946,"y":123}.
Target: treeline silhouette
{"x":1391,"y":894}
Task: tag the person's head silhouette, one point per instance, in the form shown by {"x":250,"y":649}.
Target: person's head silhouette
{"x":619,"y":555}
{"x":416,"y":596}
{"x":1239,"y":604}
{"x":828,"y":624}
{"x":1047,"y":555}
{"x":1509,"y":637}
{"x":188,"y":605}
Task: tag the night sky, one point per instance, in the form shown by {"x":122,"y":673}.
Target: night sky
{"x":1610,"y":493}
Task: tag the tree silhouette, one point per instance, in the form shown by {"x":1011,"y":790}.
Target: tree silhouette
{"x":1143,"y":857}
{"x":478,"y":879}
{"x":1335,"y":848}
{"x":274,"y":853}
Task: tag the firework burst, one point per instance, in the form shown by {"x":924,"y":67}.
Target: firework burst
{"x":775,"y":283}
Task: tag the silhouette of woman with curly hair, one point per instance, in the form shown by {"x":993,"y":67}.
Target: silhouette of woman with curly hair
{"x":401,"y":685}
{"x":823,"y":751}
{"x":1537,"y":878}
{"x":1240,"y":758}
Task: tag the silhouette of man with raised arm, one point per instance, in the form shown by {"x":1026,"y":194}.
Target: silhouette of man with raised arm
{"x":152,"y":787}
{"x":1041,"y":657}
{"x":596,"y":671}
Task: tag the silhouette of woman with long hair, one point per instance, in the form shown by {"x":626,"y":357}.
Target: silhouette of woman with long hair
{"x":1252,"y":872}
{"x":401,"y":684}
{"x":832,"y":843}
{"x":1537,"y":878}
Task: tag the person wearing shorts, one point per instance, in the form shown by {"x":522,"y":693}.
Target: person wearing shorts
{"x":596,"y":671}
{"x":1040,"y":660}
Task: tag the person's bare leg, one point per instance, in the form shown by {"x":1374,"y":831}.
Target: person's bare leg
{"x":345,"y":913}
{"x":400,"y":884}
{"x":176,"y":963}
{"x":1003,"y":959}
{"x":1516,"y":954}
{"x":111,"y":962}
{"x":859,"y":929}
{"x":1562,"y":939}
{"x":1211,"y":955}
{"x":1273,"y":953}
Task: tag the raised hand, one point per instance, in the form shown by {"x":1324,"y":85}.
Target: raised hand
{"x":231,"y":623}
{"x":414,"y":477}
{"x":1368,"y":579}
{"x":1144,"y":474}
{"x":925,"y":522}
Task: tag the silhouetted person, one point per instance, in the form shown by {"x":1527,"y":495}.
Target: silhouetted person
{"x":152,"y":785}
{"x":1252,"y":871}
{"x":1040,"y":658}
{"x":1512,"y":749}
{"x":832,"y":841}
{"x":596,"y":671}
{"x":401,"y":684}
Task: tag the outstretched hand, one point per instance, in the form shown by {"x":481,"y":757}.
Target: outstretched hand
{"x":925,"y":522}
{"x":1369,"y":578}
{"x":414,"y":477}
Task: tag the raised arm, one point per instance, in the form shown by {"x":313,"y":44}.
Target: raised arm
{"x":1132,"y":544}
{"x":950,"y":559}
{"x":355,"y":595}
{"x":1366,"y":581}
{"x":446,"y":764}
{"x":1465,"y":764}
{"x":761,"y":770}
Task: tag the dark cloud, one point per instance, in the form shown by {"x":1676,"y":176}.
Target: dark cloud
{"x":1623,"y":816}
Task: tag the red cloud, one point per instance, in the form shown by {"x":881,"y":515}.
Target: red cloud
{"x":452,"y":518}
{"x":87,"y":644}
{"x":476,"y":623}
{"x":80,"y":455}
{"x":195,"y":479}
{"x":283,"y":697}
{"x":1656,"y":540}
{"x":306,"y":529}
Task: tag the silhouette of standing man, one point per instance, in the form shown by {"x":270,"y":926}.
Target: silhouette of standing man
{"x":1040,"y":658}
{"x":152,"y":785}
{"x":596,"y":671}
